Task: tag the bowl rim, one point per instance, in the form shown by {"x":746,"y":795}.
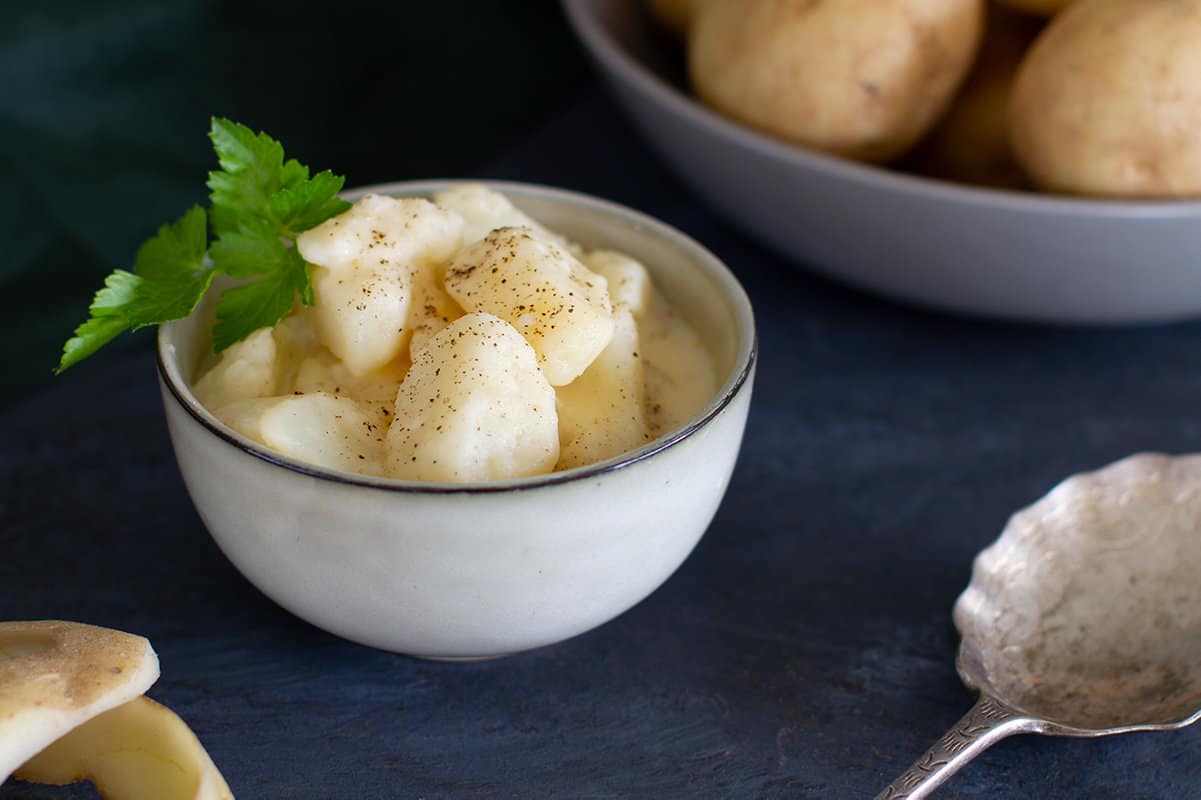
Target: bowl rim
{"x":621,"y":64}
{"x":745,"y":358}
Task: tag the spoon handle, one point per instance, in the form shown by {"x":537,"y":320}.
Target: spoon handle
{"x":987,"y":723}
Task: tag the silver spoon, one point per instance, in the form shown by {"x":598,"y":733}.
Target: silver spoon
{"x":1083,"y":618}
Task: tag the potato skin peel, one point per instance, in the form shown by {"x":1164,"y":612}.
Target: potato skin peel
{"x":72,"y":708}
{"x":55,"y":675}
{"x":137,"y":751}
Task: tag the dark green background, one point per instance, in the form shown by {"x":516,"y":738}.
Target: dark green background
{"x":106,"y":104}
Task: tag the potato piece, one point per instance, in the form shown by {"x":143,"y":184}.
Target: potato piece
{"x":554,"y":301}
{"x":433,"y":309}
{"x":54,"y":676}
{"x":403,"y":230}
{"x":862,"y":80}
{"x":244,"y":370}
{"x":970,"y":144}
{"x":1108,"y":101}
{"x":327,"y":431}
{"x":246,"y":416}
{"x":295,"y":336}
{"x":362,"y":317}
{"x":361,"y":314}
{"x":263,"y":364}
{"x":375,"y":391}
{"x":474,"y":407}
{"x":629,"y":282}
{"x":295,"y":340}
{"x":680,"y":379}
{"x":321,"y":429}
{"x":602,"y":413}
{"x":137,"y":750}
{"x":484,"y":210}
{"x":363,"y":278}
{"x":1043,"y":7}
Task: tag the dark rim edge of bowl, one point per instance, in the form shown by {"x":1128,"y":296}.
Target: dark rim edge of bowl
{"x":620,"y":63}
{"x":711,"y":412}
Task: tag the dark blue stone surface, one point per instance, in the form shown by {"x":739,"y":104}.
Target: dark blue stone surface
{"x":805,"y":650}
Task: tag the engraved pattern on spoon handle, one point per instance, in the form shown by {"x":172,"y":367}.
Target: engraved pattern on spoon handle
{"x":986,"y":724}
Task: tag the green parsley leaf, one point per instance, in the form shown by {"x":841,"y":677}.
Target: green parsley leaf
{"x":309,"y":203}
{"x":245,"y":309}
{"x":253,"y":249}
{"x":171,"y":279}
{"x":130,"y":302}
{"x":107,"y":320}
{"x":251,"y":171}
{"x":167,"y":299}
{"x":293,"y":173}
{"x":176,"y":250}
{"x":260,"y":202}
{"x":89,"y":337}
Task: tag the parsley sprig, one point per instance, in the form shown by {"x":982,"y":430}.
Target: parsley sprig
{"x":259,"y":202}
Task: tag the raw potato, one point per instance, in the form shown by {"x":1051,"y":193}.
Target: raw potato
{"x":675,"y":15}
{"x":1108,"y":102}
{"x":602,"y":413}
{"x":362,"y":281}
{"x":862,"y":80}
{"x":54,"y":676}
{"x":1043,"y":7}
{"x":137,"y":750}
{"x":970,"y":144}
{"x":474,"y":407}
{"x":559,"y":305}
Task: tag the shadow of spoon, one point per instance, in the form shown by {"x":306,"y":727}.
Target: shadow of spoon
{"x":1084,"y":617}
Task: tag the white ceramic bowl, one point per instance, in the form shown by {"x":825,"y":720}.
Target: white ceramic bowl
{"x":980,"y":251}
{"x":479,"y":570}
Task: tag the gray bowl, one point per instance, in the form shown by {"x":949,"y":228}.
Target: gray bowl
{"x":978,"y":251}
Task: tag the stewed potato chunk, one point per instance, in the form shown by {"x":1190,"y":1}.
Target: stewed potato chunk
{"x":327,"y":430}
{"x":365,"y":260}
{"x":474,"y":407}
{"x":560,"y":306}
{"x":602,"y":413}
{"x":246,"y":369}
{"x":629,"y":283}
{"x":483,"y":211}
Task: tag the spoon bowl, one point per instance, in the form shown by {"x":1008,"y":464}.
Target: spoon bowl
{"x":1083,"y":618}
